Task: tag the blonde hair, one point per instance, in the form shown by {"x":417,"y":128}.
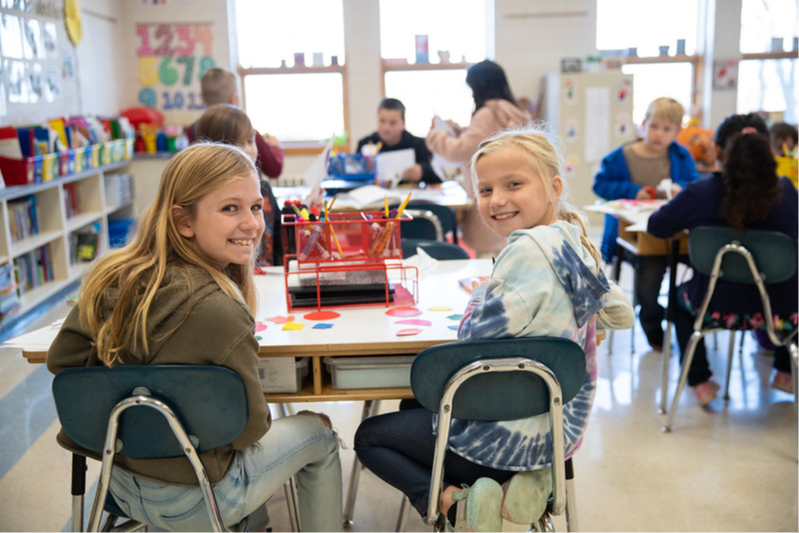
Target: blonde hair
{"x":138,"y":270}
{"x":224,"y":123}
{"x":667,"y":109}
{"x":217,"y":86}
{"x":543,"y":152}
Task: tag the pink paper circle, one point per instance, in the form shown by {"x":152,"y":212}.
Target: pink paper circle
{"x":408,"y":331}
{"x":403,"y":311}
{"x":414,"y":322}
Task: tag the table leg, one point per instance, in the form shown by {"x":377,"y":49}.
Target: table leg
{"x":672,"y":301}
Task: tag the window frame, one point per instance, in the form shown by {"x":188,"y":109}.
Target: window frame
{"x":310,"y":146}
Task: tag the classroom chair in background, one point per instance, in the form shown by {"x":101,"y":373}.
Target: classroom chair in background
{"x":752,"y":257}
{"x":442,"y":251}
{"x":423,"y":224}
{"x":169,"y":411}
{"x":446,"y":217}
{"x":501,"y":379}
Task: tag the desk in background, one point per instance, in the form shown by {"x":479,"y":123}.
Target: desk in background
{"x":359,"y":331}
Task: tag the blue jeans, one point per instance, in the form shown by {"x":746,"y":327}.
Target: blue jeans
{"x":299,"y":445}
{"x":398,"y":447}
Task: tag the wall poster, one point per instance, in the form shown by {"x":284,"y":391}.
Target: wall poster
{"x":172,"y":60}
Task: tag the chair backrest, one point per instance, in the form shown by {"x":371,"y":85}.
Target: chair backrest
{"x":498,"y":396}
{"x":424,"y":224}
{"x":440,"y":250}
{"x":775,"y":254}
{"x":209,"y":401}
{"x":446,"y":215}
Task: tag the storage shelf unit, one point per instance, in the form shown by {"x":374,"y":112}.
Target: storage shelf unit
{"x":55,"y":230}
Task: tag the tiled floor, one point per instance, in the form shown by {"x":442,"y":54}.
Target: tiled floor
{"x":730,"y":467}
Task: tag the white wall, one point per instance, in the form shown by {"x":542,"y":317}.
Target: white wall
{"x":100,"y":59}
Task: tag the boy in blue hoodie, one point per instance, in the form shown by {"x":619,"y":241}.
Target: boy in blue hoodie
{"x":634,"y":171}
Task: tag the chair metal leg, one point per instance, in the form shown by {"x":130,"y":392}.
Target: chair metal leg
{"x":696,"y":338}
{"x":544,"y":523}
{"x":78,"y":490}
{"x":405,"y":510}
{"x":369,"y":406}
{"x":664,"y":377}
{"x":291,"y":502}
{"x":571,"y":509}
{"x":794,"y":366}
{"x":741,"y":344}
{"x":729,"y":364}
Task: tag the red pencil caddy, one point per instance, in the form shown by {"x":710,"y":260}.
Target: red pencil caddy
{"x":345,"y":260}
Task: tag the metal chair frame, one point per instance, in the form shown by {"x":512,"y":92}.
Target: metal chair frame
{"x":512,"y":364}
{"x":734,"y":247}
{"x":429,"y":216}
{"x":143,"y":398}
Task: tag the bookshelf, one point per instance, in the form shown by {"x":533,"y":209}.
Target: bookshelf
{"x":46,"y":228}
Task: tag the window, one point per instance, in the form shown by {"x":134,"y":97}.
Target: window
{"x":767,"y":72}
{"x":291,"y":56}
{"x":429,"y":76}
{"x":665,"y":60}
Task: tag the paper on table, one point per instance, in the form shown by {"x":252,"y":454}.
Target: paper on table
{"x":391,"y":165}
{"x":39,"y":339}
{"x":439,"y":163}
{"x":368,"y":196}
{"x":318,"y":170}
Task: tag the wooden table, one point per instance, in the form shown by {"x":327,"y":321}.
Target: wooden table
{"x":359,"y":331}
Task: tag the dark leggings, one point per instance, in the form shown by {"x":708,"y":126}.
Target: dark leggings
{"x":398,"y":448}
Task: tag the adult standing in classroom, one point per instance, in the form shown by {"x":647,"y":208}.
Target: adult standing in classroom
{"x":495,"y":108}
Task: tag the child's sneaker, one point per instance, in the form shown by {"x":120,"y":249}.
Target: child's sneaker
{"x":526,"y":495}
{"x":483,"y":502}
{"x":782,"y":381}
{"x":706,"y":392}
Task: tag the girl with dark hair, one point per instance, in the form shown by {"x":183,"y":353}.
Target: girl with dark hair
{"x":495,"y":109}
{"x":745,"y":194}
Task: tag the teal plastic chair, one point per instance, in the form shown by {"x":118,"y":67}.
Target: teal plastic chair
{"x":443,"y":251}
{"x":446,"y":217}
{"x":751,"y":257}
{"x":149,"y":411}
{"x":501,"y":379}
{"x":421,"y":224}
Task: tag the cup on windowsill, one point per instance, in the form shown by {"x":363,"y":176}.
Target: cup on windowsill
{"x":664,"y":50}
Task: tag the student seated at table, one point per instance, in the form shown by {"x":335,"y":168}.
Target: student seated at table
{"x":745,"y":194}
{"x":784,"y":138}
{"x":220,"y":86}
{"x":547,"y":282}
{"x":182,"y":292}
{"x":229,"y":124}
{"x":634,"y":171}
{"x":391,"y":135}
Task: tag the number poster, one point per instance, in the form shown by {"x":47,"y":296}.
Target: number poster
{"x":172,"y":59}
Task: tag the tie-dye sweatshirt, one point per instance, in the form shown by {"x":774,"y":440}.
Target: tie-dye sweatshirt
{"x":544,"y":284}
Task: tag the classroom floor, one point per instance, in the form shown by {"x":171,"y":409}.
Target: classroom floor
{"x":729,"y":467}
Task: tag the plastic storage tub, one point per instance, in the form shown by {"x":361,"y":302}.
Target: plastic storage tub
{"x":278,"y":374}
{"x":370,"y":372}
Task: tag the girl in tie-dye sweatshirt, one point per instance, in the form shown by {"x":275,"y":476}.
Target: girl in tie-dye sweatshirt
{"x":546,"y":283}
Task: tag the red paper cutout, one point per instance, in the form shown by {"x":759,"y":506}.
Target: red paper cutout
{"x":403,"y":311}
{"x":321,"y":315}
{"x":415,"y":322}
{"x":281,"y":319}
{"x":408,"y":331}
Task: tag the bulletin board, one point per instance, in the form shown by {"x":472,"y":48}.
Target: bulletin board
{"x":172,"y":59}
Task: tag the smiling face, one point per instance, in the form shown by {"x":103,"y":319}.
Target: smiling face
{"x":390,"y":126}
{"x":511,"y":194}
{"x":228,"y":223}
{"x":659,"y":133}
